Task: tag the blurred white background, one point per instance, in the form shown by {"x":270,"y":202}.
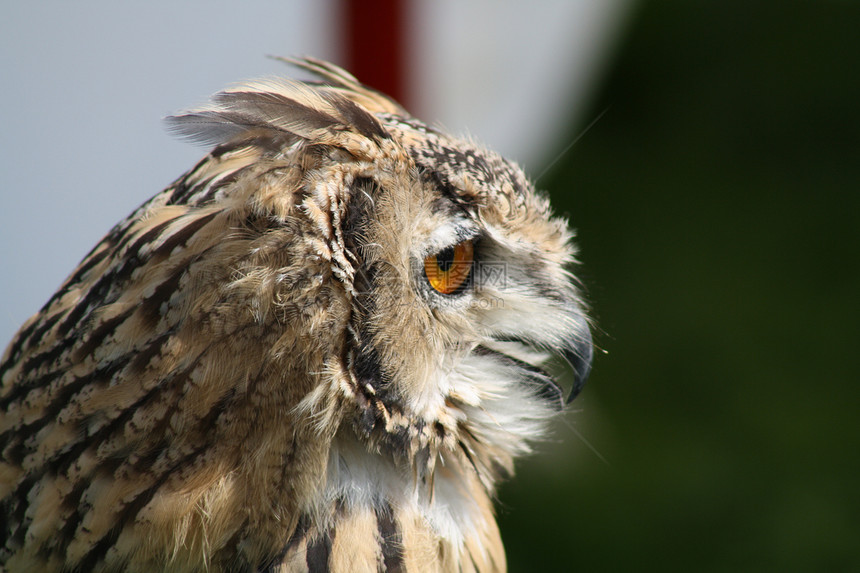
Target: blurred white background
{"x":85,"y":85}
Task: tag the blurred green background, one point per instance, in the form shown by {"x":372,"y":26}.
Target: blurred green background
{"x":717,"y":208}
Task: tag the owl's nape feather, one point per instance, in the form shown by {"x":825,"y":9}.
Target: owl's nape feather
{"x":254,"y":371}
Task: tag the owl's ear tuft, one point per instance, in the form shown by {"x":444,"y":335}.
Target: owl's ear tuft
{"x":316,"y":113}
{"x":338,"y":79}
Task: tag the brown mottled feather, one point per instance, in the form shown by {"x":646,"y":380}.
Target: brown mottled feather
{"x":250,"y":372}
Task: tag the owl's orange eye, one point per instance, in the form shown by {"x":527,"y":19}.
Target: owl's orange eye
{"x":448,"y":270}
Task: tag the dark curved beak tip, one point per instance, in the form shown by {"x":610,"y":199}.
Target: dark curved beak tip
{"x":579,"y":356}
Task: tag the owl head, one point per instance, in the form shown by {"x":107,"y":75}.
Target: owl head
{"x":451,"y":271}
{"x":339,"y":312}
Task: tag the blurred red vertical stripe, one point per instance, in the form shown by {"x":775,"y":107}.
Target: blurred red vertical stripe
{"x":375,"y":44}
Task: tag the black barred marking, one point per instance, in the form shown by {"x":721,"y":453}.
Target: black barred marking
{"x":94,"y":257}
{"x":22,"y":389}
{"x":96,"y":297}
{"x":139,"y":359}
{"x":4,"y":531}
{"x":18,"y":342}
{"x":130,"y":511}
{"x":391,"y":540}
{"x":299,"y":533}
{"x":184,"y":234}
{"x":146,"y":462}
{"x":103,"y":371}
{"x":97,"y":294}
{"x":213,"y":188}
{"x":14,"y":510}
{"x":12,"y":446}
{"x":90,"y":261}
{"x":37,"y":362}
{"x":181,"y":190}
{"x":150,"y":308}
{"x":100,"y":333}
{"x":60,"y":465}
{"x":99,"y":550}
{"x":319,"y":552}
{"x":73,"y":502}
{"x":37,"y":330}
{"x":61,"y":462}
{"x":131,"y":249}
{"x":97,"y":254}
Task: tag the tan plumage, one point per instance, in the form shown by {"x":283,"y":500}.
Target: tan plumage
{"x":254,"y":371}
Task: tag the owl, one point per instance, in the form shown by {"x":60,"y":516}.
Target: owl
{"x":320,"y":349}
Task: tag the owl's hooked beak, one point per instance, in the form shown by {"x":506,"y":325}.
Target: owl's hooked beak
{"x":578,"y":354}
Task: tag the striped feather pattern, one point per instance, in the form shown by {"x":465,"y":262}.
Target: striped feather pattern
{"x":252,"y":373}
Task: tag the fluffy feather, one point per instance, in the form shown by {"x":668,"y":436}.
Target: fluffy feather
{"x":252,"y":371}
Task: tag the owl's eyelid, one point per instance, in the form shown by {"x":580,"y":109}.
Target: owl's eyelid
{"x":467,"y":234}
{"x":473,"y":237}
{"x":441,"y":238}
